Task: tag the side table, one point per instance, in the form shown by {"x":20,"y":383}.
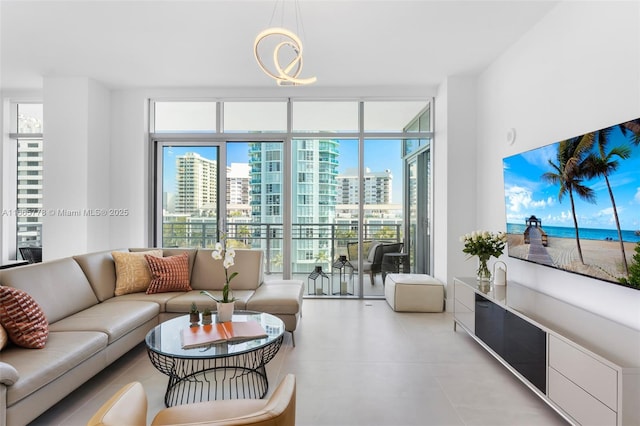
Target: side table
{"x":395,"y":263}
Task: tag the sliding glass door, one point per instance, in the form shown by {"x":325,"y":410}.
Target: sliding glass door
{"x":418,"y":211}
{"x":314,"y":184}
{"x":189,"y":183}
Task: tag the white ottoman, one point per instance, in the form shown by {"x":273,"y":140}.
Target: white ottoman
{"x":414,"y":293}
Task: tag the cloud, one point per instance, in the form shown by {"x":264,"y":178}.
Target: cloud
{"x":520,"y":199}
{"x":562,"y":218}
{"x":540,"y":204}
{"x":540,"y":157}
{"x":605,"y":212}
{"x":605,"y":216}
{"x":636,"y":198}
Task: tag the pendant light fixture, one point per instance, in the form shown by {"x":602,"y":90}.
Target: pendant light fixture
{"x":285,"y":48}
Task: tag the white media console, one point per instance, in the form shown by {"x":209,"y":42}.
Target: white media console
{"x":584,"y":366}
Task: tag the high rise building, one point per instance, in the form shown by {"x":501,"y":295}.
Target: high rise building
{"x":238,"y":197}
{"x":29,"y":192}
{"x":377,"y":187}
{"x":314,"y":172}
{"x":196,"y":185}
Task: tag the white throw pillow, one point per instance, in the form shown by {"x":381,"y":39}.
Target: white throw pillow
{"x":372,"y":252}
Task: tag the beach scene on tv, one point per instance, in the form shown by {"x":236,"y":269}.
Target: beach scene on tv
{"x":575,"y":204}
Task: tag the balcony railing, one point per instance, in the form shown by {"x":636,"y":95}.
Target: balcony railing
{"x":313,"y":243}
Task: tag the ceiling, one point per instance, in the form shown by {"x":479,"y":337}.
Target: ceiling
{"x":209,"y":43}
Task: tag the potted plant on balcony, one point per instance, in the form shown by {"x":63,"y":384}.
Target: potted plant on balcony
{"x":225,"y":305}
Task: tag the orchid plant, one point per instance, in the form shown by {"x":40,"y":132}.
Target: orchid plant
{"x":227,"y":255}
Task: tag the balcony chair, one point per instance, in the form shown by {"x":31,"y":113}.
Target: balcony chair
{"x":129,"y":407}
{"x":372,"y":262}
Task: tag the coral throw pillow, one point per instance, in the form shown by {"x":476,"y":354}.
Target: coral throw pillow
{"x":132,"y":271}
{"x":22,"y":318}
{"x":169,"y":273}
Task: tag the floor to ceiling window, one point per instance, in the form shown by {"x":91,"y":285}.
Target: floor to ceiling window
{"x":418,"y":201}
{"x":24,"y":160}
{"x":312,"y":183}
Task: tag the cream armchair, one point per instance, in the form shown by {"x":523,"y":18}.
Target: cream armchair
{"x":129,"y":407}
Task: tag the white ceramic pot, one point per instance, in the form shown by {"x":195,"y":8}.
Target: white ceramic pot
{"x":225,"y":311}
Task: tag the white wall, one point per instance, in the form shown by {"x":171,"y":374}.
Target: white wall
{"x":129,"y":169}
{"x":454,"y":170}
{"x":76,"y":165}
{"x":577,"y":71}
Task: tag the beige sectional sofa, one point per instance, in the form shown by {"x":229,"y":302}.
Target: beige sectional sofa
{"x":90,"y":327}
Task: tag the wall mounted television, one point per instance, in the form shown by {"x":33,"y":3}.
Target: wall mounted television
{"x":574,"y":205}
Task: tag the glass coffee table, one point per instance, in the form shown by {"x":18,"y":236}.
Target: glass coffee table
{"x":229,"y":370}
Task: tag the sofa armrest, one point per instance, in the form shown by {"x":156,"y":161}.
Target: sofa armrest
{"x":8,"y":374}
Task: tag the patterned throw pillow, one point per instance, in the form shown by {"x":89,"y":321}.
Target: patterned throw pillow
{"x":4,"y":338}
{"x":132,"y":271}
{"x":23,"y":318}
{"x":169,"y":273}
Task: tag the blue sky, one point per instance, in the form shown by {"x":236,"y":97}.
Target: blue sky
{"x":379,"y":156}
{"x":526,"y":193}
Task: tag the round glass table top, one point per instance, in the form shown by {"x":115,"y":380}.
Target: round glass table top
{"x":166,"y":338}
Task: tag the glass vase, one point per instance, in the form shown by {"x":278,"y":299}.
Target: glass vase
{"x":483,"y":274}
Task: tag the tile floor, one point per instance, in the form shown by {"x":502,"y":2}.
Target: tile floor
{"x":359,"y":363}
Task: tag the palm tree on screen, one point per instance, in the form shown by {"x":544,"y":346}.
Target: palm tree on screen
{"x":568,"y":174}
{"x":603,"y":163}
{"x":632,"y":127}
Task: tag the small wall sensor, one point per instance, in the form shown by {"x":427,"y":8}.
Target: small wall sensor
{"x":511,"y":136}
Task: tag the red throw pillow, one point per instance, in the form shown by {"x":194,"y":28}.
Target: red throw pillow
{"x":169,"y":273}
{"x":22,"y":318}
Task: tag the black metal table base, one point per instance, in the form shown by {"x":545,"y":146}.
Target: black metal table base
{"x":203,"y":379}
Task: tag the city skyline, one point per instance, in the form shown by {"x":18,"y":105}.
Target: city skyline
{"x":377,"y":159}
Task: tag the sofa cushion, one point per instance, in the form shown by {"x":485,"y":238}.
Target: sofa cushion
{"x":132,"y":271}
{"x":39,"y":368}
{"x":182,"y":302}
{"x":159,"y":298}
{"x":114,"y":319}
{"x":278,"y":297}
{"x":208,"y":273}
{"x":100,"y":270}
{"x":23,"y":318}
{"x":191,"y":252}
{"x":59,"y":286}
{"x":169,"y":273}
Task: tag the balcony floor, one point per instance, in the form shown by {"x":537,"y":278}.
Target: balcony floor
{"x":359,"y":363}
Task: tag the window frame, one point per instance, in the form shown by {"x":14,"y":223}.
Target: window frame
{"x":10,"y":158}
{"x":221,"y":137}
